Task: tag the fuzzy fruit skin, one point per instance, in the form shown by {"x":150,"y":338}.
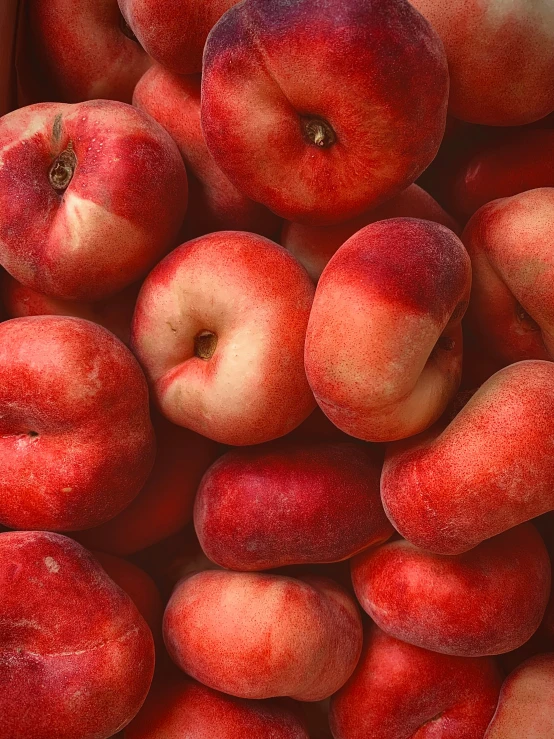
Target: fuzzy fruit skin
{"x":181,"y":707}
{"x":164,"y":505}
{"x":174,"y":32}
{"x":384,"y":347}
{"x":119,"y":214}
{"x":74,"y":448}
{"x":487,"y":601}
{"x":256,"y":299}
{"x":139,"y":586}
{"x":511,"y":245}
{"x":500,"y":58}
{"x":256,"y":635}
{"x":271,"y":67}
{"x":282,"y":504}
{"x":76,"y":657}
{"x":314,"y":246}
{"x":80,"y":52}
{"x":525,"y":707}
{"x":399,"y":690}
{"x":215,"y":204}
{"x":114,"y":313}
{"x":490,"y":469}
{"x":519,"y":161}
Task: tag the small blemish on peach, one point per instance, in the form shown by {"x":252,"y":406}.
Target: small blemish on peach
{"x":51,"y":565}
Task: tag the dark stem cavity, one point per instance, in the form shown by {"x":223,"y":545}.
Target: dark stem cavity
{"x":205,"y":343}
{"x":62,"y":170}
{"x":318,"y":132}
{"x":32,"y":434}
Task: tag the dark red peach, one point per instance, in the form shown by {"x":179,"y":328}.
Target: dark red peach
{"x":486,"y":601}
{"x":290,"y":503}
{"x":76,"y":656}
{"x":305,"y":112}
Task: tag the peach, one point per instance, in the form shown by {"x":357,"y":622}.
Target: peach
{"x":314,"y":246}
{"x":511,"y":245}
{"x":514,"y":163}
{"x":526,"y":703}
{"x":215,"y":204}
{"x":500,"y":57}
{"x":182,"y":707}
{"x":219,"y":328}
{"x":76,"y":657}
{"x":273,"y":505}
{"x":138,"y":585}
{"x":74,"y":448}
{"x":490,"y":469}
{"x":94,"y":195}
{"x":399,"y":690}
{"x":541,"y":641}
{"x":174,"y":32}
{"x":486,"y":601}
{"x":256,"y":635}
{"x":384,"y":340}
{"x":164,"y":505}
{"x":305,"y":113}
{"x":83,"y":50}
{"x":114,"y":313}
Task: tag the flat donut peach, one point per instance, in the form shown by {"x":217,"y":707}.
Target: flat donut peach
{"x":219,"y":328}
{"x":305,"y":113}
{"x":490,"y":469}
{"x":384,"y":343}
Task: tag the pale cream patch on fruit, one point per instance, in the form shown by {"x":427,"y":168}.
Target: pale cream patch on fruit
{"x":94,"y":381}
{"x":51,"y":565}
{"x":93,"y":235}
{"x":36,"y":125}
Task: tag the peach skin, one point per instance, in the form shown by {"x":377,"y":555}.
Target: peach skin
{"x":215,"y":204}
{"x":511,"y":245}
{"x":384,"y":342}
{"x":526,"y":703}
{"x":490,"y":469}
{"x":181,"y":707}
{"x":500,"y":57}
{"x":400,"y":691}
{"x":256,"y":635}
{"x":74,"y":449}
{"x":174,"y":32}
{"x":519,"y":161}
{"x":83,"y":50}
{"x":305,"y":113}
{"x":273,"y":505}
{"x":97,"y":194}
{"x":219,"y":328}
{"x":314,"y":246}
{"x":486,"y":601}
{"x":76,"y":656}
{"x":114,"y":313}
{"x":139,"y":586}
{"x":164,"y":505}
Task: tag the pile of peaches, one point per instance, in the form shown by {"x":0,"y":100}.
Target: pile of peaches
{"x":276,"y":377}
